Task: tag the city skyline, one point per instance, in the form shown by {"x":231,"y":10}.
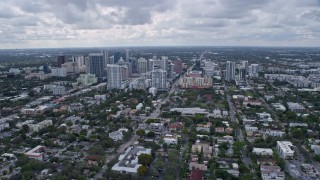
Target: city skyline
{"x":57,"y":24}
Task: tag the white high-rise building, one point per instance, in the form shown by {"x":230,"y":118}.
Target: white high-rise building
{"x":245,"y":64}
{"x":127,"y":55}
{"x":254,"y":70}
{"x":151,"y":63}
{"x":230,"y":71}
{"x":106,"y":58}
{"x":164,"y":63}
{"x":142,"y":65}
{"x":59,"y":72}
{"x":114,"y":75}
{"x":80,"y":60}
{"x":209,"y":68}
{"x":242,"y":72}
{"x":159,"y":79}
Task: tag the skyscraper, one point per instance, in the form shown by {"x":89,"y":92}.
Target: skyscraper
{"x":159,"y":79}
{"x":178,"y":66}
{"x":116,"y":56}
{"x":164,"y":63}
{"x":96,"y":64}
{"x":246,"y":66}
{"x":61,"y":60}
{"x":127,"y":55}
{"x":151,"y":63}
{"x":142,"y":65}
{"x":106,"y":57}
{"x":230,"y":71}
{"x":114,"y":75}
{"x":242,"y":72}
{"x":254,"y":70}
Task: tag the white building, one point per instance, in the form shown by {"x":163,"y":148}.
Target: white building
{"x":254,"y":70}
{"x":114,"y":75}
{"x":3,"y":125}
{"x":58,"y":90}
{"x":116,"y":136}
{"x":128,"y":162}
{"x":159,"y":79}
{"x":285,"y":149}
{"x":87,"y":79}
{"x":15,"y":71}
{"x":296,"y":107}
{"x":263,"y":151}
{"x":142,"y":65}
{"x":169,"y":139}
{"x":274,"y":133}
{"x":58,"y":72}
{"x":153,"y":91}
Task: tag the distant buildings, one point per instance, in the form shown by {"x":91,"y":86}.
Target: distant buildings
{"x":254,"y":70}
{"x":61,"y":60}
{"x":58,"y":72}
{"x":159,"y":79}
{"x":58,"y":90}
{"x":87,"y":79}
{"x":230,"y":71}
{"x":114,"y":75}
{"x":196,"y":82}
{"x":142,"y":65}
{"x":95,"y":64}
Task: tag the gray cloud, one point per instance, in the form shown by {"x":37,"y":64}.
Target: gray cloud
{"x":154,"y":22}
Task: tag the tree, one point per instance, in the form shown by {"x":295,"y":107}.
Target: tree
{"x":142,"y":170}
{"x":151,"y":134}
{"x":145,"y":159}
{"x":141,"y":132}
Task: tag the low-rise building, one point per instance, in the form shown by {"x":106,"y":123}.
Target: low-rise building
{"x":116,"y":135}
{"x":36,"y":153}
{"x":227,"y":139}
{"x":128,"y":162}
{"x":197,"y":166}
{"x":204,"y":127}
{"x":170,"y":139}
{"x":263,"y":151}
{"x":271,"y":173}
{"x":296,"y":107}
{"x":285,"y":149}
{"x":274,"y":133}
{"x":156,"y":127}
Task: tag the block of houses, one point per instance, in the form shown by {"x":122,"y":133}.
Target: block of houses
{"x":219,"y":129}
{"x":204,"y":127}
{"x":202,"y":147}
{"x":170,"y":139}
{"x":197,"y":166}
{"x":116,"y":135}
{"x":177,"y":126}
{"x":262,"y":151}
{"x":271,"y":172}
{"x":274,"y":133}
{"x":156,"y":127}
{"x":227,"y":139}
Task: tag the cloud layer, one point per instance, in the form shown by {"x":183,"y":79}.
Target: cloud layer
{"x":85,"y":23}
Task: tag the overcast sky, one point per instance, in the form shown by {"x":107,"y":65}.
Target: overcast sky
{"x":103,"y":23}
